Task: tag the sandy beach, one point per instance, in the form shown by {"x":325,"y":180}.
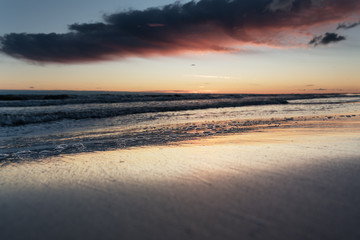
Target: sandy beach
{"x":284,"y":183}
{"x":180,"y":120}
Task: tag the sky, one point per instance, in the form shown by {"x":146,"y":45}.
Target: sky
{"x":203,"y":46}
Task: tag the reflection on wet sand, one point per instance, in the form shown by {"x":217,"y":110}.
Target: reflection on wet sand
{"x":292,"y":183}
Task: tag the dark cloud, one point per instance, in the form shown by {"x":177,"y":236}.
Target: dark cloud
{"x":327,"y":38}
{"x":205,"y":25}
{"x":347,"y":25}
{"x":280,"y":5}
{"x":334,"y":90}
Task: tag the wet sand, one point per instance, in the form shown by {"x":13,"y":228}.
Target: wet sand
{"x":284,"y":183}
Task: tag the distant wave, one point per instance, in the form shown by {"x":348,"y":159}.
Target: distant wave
{"x":27,"y":100}
{"x":30,"y":115}
{"x":18,"y":108}
{"x":54,"y":98}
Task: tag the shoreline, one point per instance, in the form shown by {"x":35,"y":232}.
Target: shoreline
{"x":279,"y":183}
{"x":168,"y":135}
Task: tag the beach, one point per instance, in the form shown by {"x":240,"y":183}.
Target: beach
{"x":180,"y":120}
{"x":297,"y":181}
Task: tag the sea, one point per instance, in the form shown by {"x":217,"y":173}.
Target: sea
{"x":41,"y":124}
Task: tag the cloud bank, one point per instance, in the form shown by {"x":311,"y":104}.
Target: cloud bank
{"x":197,"y":26}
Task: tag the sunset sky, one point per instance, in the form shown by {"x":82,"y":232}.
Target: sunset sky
{"x":217,"y":46}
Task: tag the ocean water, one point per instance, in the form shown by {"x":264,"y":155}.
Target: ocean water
{"x":36,"y":124}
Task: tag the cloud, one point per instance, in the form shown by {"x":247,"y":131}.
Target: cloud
{"x":327,"y":38}
{"x":276,"y":5}
{"x":209,"y":76}
{"x":347,"y":25}
{"x":196,"y":26}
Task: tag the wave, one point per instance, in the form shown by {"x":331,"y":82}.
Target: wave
{"x":56,"y":98}
{"x":21,"y":100}
{"x":23,"y":116}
